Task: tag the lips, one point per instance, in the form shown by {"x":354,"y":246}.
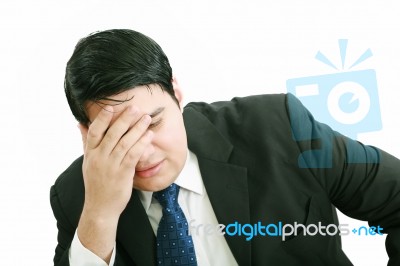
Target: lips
{"x":149,"y":170}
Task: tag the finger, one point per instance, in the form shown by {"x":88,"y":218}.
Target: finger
{"x":83,"y":129}
{"x":135,"y":152}
{"x":130,"y":138}
{"x":99,"y":127}
{"x":119,"y":128}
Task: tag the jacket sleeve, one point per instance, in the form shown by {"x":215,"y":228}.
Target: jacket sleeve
{"x":362,"y":181}
{"x":65,"y":231}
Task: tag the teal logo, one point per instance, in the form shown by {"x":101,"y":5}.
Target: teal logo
{"x":347,"y":101}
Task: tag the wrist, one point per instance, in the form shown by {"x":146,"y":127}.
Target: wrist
{"x":99,"y":218}
{"x":98,"y":234}
{"x":101,"y":209}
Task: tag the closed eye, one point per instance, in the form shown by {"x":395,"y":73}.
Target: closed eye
{"x":155,"y":124}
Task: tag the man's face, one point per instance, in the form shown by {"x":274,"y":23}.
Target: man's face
{"x":164,"y":158}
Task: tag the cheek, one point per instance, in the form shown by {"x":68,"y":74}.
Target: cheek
{"x":171,"y":138}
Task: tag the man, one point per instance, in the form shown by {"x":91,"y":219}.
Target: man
{"x":259,"y":160}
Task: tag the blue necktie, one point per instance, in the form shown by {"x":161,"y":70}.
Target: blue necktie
{"x":174,"y":244}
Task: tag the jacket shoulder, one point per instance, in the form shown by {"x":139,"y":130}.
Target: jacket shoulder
{"x":67,"y":193}
{"x":245,"y":116}
{"x":253,"y":102}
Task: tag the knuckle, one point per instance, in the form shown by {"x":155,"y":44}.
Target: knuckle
{"x":110,"y":136}
{"x":124,"y":144}
{"x":92,"y":133}
{"x":136,"y":131}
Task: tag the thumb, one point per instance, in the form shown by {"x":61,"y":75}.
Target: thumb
{"x":84,"y":131}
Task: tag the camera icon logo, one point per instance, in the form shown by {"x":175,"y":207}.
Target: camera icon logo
{"x":347,"y":101}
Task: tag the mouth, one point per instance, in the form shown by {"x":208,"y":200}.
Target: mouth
{"x":149,"y":170}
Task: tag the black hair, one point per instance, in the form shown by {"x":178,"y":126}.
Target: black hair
{"x":109,"y":62}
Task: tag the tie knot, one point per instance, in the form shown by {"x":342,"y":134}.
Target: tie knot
{"x":168,"y":197}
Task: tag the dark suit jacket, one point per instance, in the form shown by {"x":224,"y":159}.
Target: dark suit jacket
{"x":253,"y":154}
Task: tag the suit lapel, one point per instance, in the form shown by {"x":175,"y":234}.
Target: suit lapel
{"x":226,"y":186}
{"x":225,"y":183}
{"x":135,"y":233}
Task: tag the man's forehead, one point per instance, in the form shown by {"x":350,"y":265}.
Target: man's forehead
{"x":120,"y":101}
{"x":93,"y":108}
{"x":117,"y":99}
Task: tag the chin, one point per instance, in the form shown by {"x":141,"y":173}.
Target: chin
{"x":152,"y":184}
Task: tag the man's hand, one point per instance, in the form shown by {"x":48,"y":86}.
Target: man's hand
{"x":111,"y":152}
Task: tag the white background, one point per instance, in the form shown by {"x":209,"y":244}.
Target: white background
{"x":218,"y":50}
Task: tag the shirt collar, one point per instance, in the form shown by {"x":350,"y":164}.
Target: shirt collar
{"x":189,"y":179}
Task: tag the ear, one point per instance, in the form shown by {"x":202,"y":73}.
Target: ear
{"x":177,"y":90}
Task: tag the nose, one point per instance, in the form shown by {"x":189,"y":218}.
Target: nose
{"x":146,"y":155}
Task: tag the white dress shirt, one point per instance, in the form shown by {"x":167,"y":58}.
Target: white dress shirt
{"x":210,"y":246}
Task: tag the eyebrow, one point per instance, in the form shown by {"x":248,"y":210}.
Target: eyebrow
{"x":156,"y":112}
